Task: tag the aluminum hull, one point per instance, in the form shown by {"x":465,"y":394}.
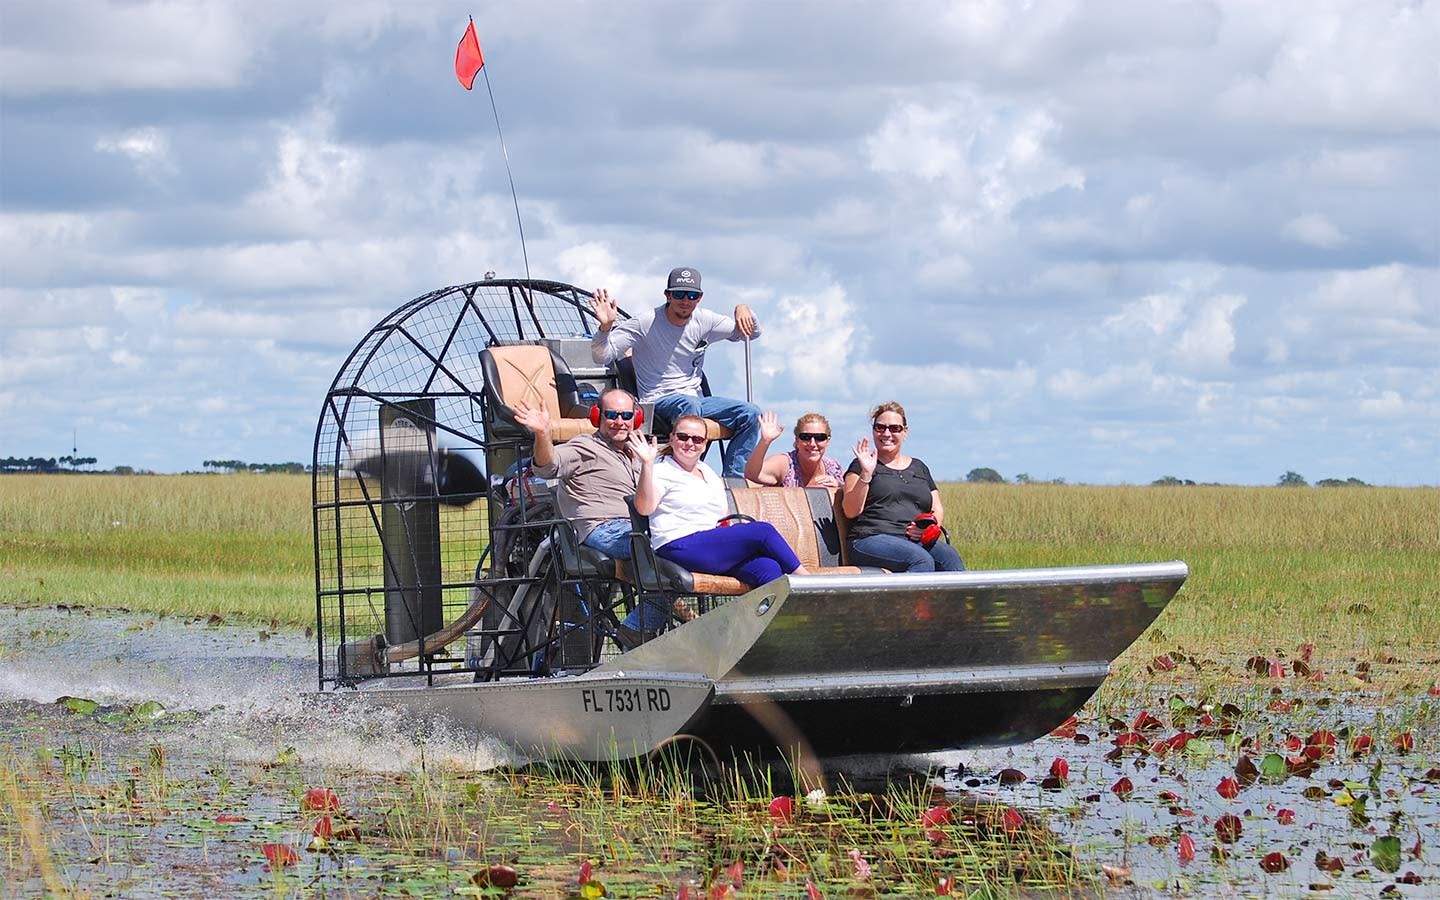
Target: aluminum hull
{"x":910,"y":663}
{"x":593,"y":717}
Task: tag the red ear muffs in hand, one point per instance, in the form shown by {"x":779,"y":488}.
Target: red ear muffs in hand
{"x":930,"y":530}
{"x":635,"y":423}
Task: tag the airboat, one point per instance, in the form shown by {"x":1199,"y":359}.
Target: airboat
{"x":448,"y":589}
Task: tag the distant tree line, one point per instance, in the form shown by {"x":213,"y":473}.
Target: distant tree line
{"x":68,"y":464}
{"x":43,"y":464}
{"x":987,"y":475}
{"x":235,"y":465}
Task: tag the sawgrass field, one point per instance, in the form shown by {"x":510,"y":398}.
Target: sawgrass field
{"x":1334,"y":590}
{"x":1352,"y":570}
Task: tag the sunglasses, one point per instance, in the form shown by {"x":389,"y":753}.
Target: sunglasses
{"x":893,"y":429}
{"x":613,"y":414}
{"x":685,"y":295}
{"x":812,"y":436}
{"x":689,"y":438}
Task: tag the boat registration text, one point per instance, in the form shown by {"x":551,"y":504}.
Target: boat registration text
{"x":623,"y":700}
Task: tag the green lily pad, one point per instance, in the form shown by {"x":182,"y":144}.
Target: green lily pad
{"x":1386,"y":853}
{"x":150,"y":709}
{"x":79,"y":705}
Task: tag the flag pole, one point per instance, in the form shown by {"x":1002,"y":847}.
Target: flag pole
{"x":470,"y":35}
{"x":505,"y":153}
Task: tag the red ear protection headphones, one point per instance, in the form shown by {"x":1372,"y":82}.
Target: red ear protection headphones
{"x":634,"y":423}
{"x":930,"y":530}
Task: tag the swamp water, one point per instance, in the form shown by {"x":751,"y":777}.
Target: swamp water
{"x":180,"y":766}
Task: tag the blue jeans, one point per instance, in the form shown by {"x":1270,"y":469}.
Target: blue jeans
{"x":899,"y":554}
{"x":612,"y":538}
{"x":740,"y":417}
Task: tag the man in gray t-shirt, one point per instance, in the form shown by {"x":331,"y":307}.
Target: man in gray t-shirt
{"x":667,"y":345}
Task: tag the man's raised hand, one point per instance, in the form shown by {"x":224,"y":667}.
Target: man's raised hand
{"x":604,"y":308}
{"x":535,"y":418}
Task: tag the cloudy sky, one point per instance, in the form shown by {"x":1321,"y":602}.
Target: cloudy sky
{"x":1091,"y":241}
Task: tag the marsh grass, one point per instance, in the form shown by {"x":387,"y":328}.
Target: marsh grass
{"x":234,"y":545}
{"x":1355,"y":569}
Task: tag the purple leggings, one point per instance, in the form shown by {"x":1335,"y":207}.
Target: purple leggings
{"x":753,"y":552}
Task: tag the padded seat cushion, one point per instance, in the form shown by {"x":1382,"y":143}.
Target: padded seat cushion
{"x":714,"y":431}
{"x":562,"y":430}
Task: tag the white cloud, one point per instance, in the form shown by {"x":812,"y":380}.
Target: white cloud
{"x":1052,"y":229}
{"x":1313,"y":229}
{"x":1384,"y":291}
{"x":136,"y":46}
{"x":1155,"y":313}
{"x":1352,"y":65}
{"x":809,"y":340}
{"x":1388,"y":405}
{"x":1209,"y":338}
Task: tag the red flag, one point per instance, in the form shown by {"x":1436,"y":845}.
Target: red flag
{"x":468,"y":58}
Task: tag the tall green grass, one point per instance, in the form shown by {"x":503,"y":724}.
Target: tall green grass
{"x":1353,"y":570}
{"x":1358,"y":568}
{"x":233,"y":545}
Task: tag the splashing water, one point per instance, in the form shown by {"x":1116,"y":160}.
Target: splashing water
{"x":251,"y":691}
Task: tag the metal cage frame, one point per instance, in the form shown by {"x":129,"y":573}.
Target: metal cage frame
{"x":412,"y":491}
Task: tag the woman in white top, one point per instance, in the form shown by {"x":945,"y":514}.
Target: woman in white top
{"x":685,"y":501}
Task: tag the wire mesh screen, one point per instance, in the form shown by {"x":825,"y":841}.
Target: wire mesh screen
{"x":406,"y":481}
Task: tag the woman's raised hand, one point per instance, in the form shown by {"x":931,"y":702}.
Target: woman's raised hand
{"x":644,"y":447}
{"x":866,"y":454}
{"x":770,"y":427}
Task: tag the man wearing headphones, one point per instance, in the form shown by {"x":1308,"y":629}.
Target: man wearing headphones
{"x":596,"y":471}
{"x":668,"y":346}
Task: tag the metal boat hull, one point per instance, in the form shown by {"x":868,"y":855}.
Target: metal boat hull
{"x":911,"y":663}
{"x":593,"y":717}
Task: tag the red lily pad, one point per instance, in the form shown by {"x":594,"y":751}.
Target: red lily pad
{"x":782,"y":809}
{"x":1228,"y":828}
{"x":1327,"y":863}
{"x":496,"y":876}
{"x":936,"y":816}
{"x":320,"y":800}
{"x":1185,"y":848}
{"x":1274,"y":861}
{"x":1130,"y":739}
{"x":1123,"y":788}
{"x":1066,"y":729}
{"x":280,"y":855}
{"x":1228,"y":788}
{"x":1146,"y":722}
{"x":1059,"y":768}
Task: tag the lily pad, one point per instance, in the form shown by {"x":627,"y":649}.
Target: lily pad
{"x":80,"y":705}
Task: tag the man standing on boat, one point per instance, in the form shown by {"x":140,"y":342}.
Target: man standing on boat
{"x":667,"y":345}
